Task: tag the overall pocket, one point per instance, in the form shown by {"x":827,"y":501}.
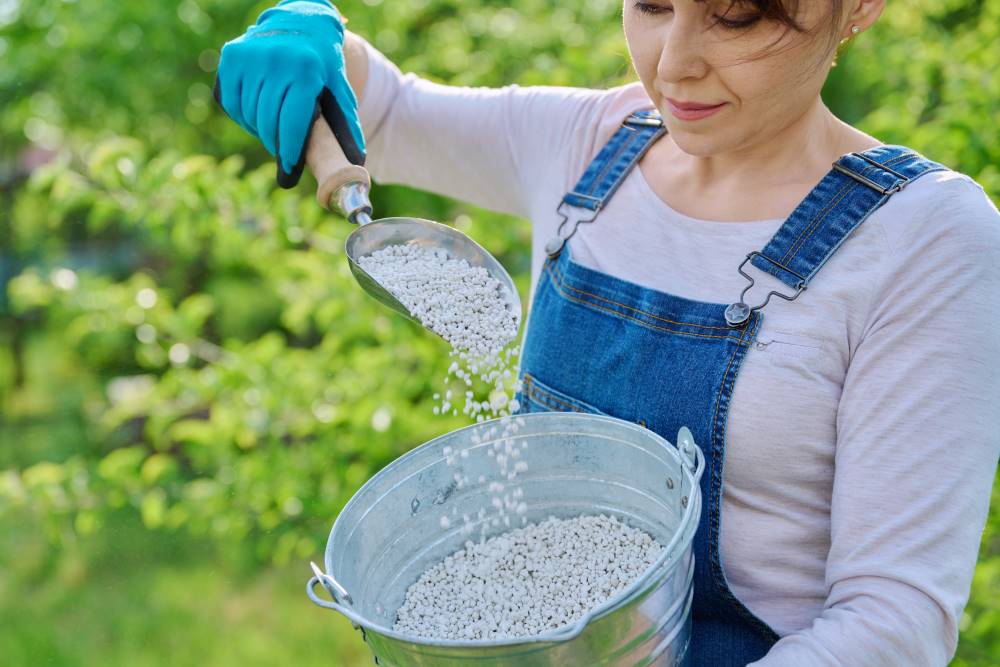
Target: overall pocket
{"x":536,"y":396}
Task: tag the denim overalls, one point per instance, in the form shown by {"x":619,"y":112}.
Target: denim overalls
{"x":596,"y":343}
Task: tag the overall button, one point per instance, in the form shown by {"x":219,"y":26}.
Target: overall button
{"x":737,"y":313}
{"x":554,"y":246}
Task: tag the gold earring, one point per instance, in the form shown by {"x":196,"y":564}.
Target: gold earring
{"x":854,"y":31}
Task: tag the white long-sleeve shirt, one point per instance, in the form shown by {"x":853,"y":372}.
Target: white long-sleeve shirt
{"x":864,"y":425}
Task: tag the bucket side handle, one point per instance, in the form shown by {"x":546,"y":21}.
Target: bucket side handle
{"x":339,"y":595}
{"x":356,"y":621}
{"x":337,"y":592}
{"x":317,"y":600}
{"x":690,"y":453}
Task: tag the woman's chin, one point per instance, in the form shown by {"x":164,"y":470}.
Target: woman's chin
{"x":693,"y":143}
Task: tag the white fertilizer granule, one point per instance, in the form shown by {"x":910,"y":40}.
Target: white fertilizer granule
{"x":527,"y":581}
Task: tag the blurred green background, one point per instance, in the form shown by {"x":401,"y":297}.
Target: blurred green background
{"x":191,"y":385}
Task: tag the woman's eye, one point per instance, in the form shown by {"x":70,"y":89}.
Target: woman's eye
{"x":736,"y":24}
{"x":730,"y":24}
{"x":647,"y":8}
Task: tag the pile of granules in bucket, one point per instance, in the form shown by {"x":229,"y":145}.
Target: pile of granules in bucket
{"x":527,"y":581}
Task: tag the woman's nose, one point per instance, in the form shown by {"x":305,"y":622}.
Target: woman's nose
{"x":682,"y":54}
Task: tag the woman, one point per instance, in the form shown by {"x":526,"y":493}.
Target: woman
{"x":851,"y":435}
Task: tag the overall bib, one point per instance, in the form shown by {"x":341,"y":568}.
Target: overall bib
{"x":596,"y":343}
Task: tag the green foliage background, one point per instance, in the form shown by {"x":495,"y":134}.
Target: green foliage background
{"x":191,"y":386}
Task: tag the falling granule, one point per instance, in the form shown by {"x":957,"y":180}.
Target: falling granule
{"x":559,"y":568}
{"x":471,"y":311}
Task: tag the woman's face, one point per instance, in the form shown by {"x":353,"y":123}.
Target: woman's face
{"x":678,"y":53}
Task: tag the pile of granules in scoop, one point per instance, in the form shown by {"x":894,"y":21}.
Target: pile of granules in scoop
{"x":460,"y":302}
{"x":527,"y":581}
{"x":464,"y":305}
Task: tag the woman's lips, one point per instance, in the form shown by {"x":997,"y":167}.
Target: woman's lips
{"x":692,"y":114}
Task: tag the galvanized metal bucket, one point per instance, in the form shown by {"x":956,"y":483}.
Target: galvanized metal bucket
{"x":391,"y":532}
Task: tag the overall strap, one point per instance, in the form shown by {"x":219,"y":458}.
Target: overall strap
{"x":857,"y":185}
{"x":605,"y":174}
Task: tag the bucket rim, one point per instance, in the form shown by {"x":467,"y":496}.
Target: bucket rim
{"x":691,"y":516}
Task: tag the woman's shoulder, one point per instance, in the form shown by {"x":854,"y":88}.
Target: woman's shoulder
{"x":608,"y":108}
{"x":619,"y":103}
{"x":943,"y":211}
{"x":571,"y":125}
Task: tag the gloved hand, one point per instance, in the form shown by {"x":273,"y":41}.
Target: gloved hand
{"x":278,"y":76}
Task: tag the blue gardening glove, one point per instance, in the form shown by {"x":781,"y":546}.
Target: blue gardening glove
{"x":285,"y":70}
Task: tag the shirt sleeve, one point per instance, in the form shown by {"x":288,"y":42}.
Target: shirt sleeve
{"x":918,"y":436}
{"x":493,"y":147}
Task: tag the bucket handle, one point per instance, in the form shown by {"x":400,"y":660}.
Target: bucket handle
{"x":327,"y":580}
{"x":691,"y":454}
{"x":692,"y":458}
{"x":310,"y":591}
{"x":337,"y":592}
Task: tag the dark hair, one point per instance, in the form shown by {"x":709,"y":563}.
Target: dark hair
{"x":783,"y":12}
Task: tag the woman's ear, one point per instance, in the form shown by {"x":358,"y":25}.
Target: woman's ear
{"x":864,"y":14}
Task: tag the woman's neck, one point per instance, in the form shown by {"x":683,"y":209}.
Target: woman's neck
{"x":765,"y":180}
{"x":795,"y":153}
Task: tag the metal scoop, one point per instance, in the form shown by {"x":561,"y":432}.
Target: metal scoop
{"x":345,"y":186}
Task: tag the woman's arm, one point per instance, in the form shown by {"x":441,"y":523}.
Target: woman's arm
{"x":355,"y":62}
{"x":918,"y":436}
{"x":493,"y":147}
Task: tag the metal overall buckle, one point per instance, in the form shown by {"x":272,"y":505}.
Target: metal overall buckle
{"x":899,"y":185}
{"x":555,"y":245}
{"x":739,"y":312}
{"x":641,"y":121}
